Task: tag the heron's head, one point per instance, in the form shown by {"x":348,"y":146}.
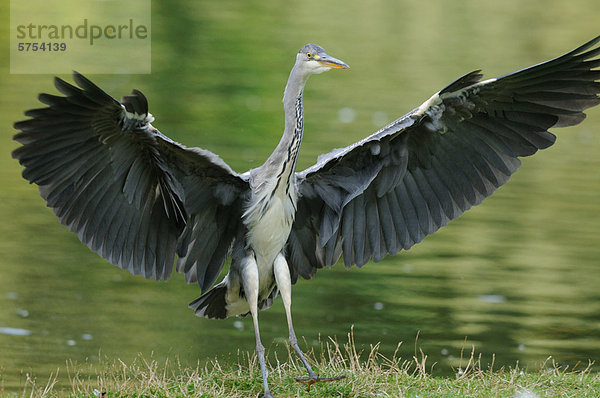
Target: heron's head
{"x":312,"y":58}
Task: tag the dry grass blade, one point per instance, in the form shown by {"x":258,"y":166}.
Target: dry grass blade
{"x":369,"y":374}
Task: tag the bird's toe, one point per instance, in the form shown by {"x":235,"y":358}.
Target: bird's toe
{"x":312,"y":379}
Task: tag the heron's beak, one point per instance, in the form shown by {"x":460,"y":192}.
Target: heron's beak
{"x":331,"y":62}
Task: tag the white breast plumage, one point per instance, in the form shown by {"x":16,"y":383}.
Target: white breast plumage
{"x":269,"y":221}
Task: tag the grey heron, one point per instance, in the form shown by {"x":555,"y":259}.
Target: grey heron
{"x":143,"y":201}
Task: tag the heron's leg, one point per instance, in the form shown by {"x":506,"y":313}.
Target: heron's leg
{"x":250,"y":282}
{"x":282,"y":277}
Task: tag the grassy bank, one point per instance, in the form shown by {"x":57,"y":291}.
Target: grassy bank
{"x":369,"y":374}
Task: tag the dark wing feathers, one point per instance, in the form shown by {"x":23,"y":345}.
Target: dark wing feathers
{"x":463,"y":81}
{"x":131,"y":194}
{"x":395,"y":187}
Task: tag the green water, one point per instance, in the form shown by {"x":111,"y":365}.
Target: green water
{"x":517,"y":277}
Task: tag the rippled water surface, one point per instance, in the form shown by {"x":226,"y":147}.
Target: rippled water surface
{"x":517,"y":277}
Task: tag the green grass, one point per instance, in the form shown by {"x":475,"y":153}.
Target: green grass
{"x":369,"y":374}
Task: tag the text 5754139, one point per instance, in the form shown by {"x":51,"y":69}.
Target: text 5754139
{"x":43,"y":46}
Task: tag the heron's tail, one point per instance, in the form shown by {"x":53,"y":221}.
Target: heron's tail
{"x":212,"y":303}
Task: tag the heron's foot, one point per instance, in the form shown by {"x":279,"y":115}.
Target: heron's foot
{"x":312,"y":379}
{"x":267,"y":395}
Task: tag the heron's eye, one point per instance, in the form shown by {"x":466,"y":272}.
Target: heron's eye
{"x":309,"y":55}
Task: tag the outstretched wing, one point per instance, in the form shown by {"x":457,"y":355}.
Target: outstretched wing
{"x":131,"y":194}
{"x":395,"y":187}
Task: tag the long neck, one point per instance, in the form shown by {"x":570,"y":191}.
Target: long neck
{"x":292,"y":103}
{"x":283,"y":159}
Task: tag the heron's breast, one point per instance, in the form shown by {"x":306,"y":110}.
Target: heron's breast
{"x":269,"y":228}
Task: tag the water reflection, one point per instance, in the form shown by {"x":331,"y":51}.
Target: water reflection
{"x":517,"y":277}
{"x":14,"y":331}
